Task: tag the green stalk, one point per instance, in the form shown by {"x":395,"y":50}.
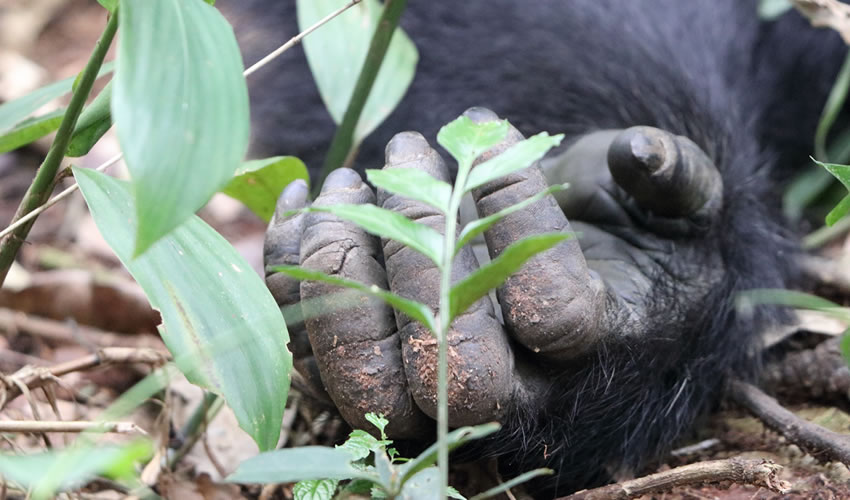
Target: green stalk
{"x":834,"y":103}
{"x":444,"y":323}
{"x":42,"y":185}
{"x":343,"y":139}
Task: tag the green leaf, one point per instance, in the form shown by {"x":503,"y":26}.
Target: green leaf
{"x":466,"y":140}
{"x":518,"y":157}
{"x":845,"y":345}
{"x":222,"y":325}
{"x":93,"y":122}
{"x":87,"y":462}
{"x":424,"y":485}
{"x":378,"y":421}
{"x":494,"y":273}
{"x":791,"y":298}
{"x":414,"y":184}
{"x":391,"y":225}
{"x":109,"y":5}
{"x":298,"y":464}
{"x":361,"y":444}
{"x":503,"y":487}
{"x":840,"y":172}
{"x":839,"y":211}
{"x":258,"y":183}
{"x":315,"y":489}
{"x":180,"y":106}
{"x":337,"y":51}
{"x":416,"y":310}
{"x":771,"y":9}
{"x":30,"y":130}
{"x":478,"y":226}
{"x":455,"y":438}
{"x":12,"y":113}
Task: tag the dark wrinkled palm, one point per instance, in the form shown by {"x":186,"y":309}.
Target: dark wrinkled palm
{"x":641,"y":203}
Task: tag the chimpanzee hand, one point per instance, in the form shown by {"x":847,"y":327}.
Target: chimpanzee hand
{"x":641,"y":204}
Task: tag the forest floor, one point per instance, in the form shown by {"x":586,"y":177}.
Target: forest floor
{"x":70,"y":297}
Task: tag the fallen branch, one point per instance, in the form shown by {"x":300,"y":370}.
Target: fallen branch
{"x":38,"y":426}
{"x":34,"y":377}
{"x":738,"y":470}
{"x":821,"y":443}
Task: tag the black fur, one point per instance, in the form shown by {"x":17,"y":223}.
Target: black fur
{"x":749,"y":93}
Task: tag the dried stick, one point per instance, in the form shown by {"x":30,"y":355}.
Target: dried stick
{"x":821,"y":443}
{"x":33,"y":377}
{"x":38,"y":426}
{"x":738,"y":470}
{"x":60,"y":332}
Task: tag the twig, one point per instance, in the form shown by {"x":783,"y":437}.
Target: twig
{"x":344,"y":136}
{"x":196,"y":425}
{"x":39,"y":426}
{"x":59,"y":332}
{"x":738,"y":470}
{"x":297,"y":38}
{"x":39,"y":190}
{"x":819,"y":442}
{"x":32,"y":377}
{"x":56,"y":199}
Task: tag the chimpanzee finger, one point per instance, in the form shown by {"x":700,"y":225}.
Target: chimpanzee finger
{"x":283,"y":247}
{"x":668,"y":175}
{"x":481,"y":363}
{"x":554,"y":304}
{"x":356,"y":344}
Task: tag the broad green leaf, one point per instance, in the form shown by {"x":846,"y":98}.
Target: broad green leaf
{"x":503,"y":487}
{"x":518,"y":157}
{"x":416,"y":310}
{"x":315,"y":489}
{"x":109,"y":5}
{"x":391,"y":225}
{"x":839,"y":211}
{"x":94,"y":121}
{"x":424,"y":485}
{"x":12,"y":113}
{"x":336,"y":53}
{"x":30,"y":130}
{"x":494,"y":273}
{"x":478,"y":226}
{"x":258,"y":183}
{"x":455,"y":438}
{"x":222,"y":325}
{"x":180,"y":106}
{"x":298,"y":464}
{"x":414,"y":184}
{"x":88,"y":461}
{"x":361,"y":444}
{"x":466,"y":140}
{"x":771,"y":9}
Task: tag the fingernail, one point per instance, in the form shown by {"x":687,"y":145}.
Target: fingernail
{"x":406,"y":146}
{"x":641,"y":147}
{"x":480,"y":115}
{"x":294,"y":196}
{"x":342,"y":178}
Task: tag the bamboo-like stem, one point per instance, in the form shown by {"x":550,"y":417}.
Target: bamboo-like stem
{"x":43,"y":183}
{"x":343,"y":139}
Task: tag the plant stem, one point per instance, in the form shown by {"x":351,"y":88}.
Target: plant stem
{"x":343,"y":139}
{"x":444,"y":323}
{"x":825,"y":234}
{"x":42,"y":185}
